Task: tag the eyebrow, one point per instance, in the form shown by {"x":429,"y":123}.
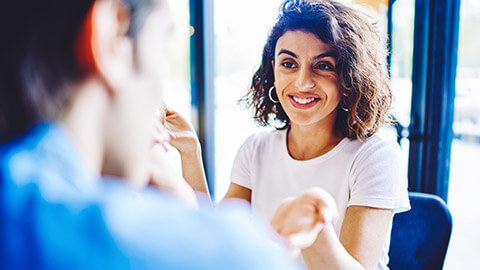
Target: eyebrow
{"x":326,"y":54}
{"x":322,"y":55}
{"x":287,"y":52}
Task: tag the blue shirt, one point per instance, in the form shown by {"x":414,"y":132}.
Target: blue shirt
{"x":57,"y":215}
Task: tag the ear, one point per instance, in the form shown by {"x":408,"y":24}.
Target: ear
{"x":103,"y":46}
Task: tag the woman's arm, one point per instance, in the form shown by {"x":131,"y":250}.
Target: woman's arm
{"x":193,"y":171}
{"x":184,"y":138}
{"x":364,"y":232}
{"x":238,"y":192}
{"x":362,"y":238}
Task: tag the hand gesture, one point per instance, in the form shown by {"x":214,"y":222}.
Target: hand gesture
{"x":299,"y":220}
{"x":182,"y":134}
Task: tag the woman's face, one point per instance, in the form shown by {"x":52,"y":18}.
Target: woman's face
{"x":305,"y":79}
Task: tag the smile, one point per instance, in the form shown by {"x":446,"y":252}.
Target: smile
{"x":303,"y":102}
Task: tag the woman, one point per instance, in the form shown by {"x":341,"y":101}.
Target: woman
{"x":323,"y":83}
{"x":323,"y":77}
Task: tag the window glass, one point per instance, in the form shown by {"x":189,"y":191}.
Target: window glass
{"x":241,"y":29}
{"x":401,"y":65}
{"x":176,"y":86}
{"x":176,"y":67}
{"x":464,"y":174}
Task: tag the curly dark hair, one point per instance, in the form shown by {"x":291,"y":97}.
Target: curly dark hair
{"x":361,"y":67}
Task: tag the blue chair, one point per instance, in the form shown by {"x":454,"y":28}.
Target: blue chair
{"x":420,"y":236}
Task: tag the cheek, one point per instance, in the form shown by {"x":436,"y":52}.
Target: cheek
{"x":332,"y":89}
{"x":336,"y":96}
{"x":282,"y":80}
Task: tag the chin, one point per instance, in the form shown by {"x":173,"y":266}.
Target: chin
{"x":303,"y":119}
{"x":311,"y":118}
{"x":302,"y":123}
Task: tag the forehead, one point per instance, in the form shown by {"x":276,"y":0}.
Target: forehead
{"x":302,"y":43}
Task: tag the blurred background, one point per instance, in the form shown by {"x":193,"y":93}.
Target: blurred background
{"x":217,"y":45}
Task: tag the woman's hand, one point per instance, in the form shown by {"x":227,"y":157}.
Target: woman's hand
{"x":183,"y":137}
{"x":299,"y":220}
{"x":182,"y":134}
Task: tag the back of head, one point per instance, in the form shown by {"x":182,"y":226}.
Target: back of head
{"x":40,"y":63}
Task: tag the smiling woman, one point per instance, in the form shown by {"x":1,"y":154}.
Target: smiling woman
{"x":323,"y":77}
{"x":359,"y":63}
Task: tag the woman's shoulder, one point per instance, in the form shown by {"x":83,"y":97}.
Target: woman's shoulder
{"x":265,"y":137}
{"x":261,"y":141}
{"x":375,"y":146}
{"x":380,"y":142}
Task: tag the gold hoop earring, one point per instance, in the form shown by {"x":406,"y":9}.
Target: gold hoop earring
{"x":270,"y":95}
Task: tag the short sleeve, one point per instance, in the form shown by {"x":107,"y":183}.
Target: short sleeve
{"x":378,"y":177}
{"x":243,"y":164}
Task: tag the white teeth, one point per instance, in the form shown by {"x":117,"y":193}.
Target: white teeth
{"x":303,"y":100}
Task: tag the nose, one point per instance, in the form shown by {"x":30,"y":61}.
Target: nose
{"x":304,"y":81}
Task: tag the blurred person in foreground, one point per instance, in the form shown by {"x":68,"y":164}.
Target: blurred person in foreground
{"x":84,"y":180}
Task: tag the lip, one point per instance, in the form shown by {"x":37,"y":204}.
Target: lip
{"x":303,"y":106}
{"x":304,"y":95}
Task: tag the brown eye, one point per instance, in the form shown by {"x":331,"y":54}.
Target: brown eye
{"x":325,"y":66}
{"x":288,"y":65}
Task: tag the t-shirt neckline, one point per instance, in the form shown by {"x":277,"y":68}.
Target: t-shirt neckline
{"x":315,"y":160}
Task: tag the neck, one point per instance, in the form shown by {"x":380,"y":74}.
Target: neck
{"x":83,"y":121}
{"x":310,"y":141}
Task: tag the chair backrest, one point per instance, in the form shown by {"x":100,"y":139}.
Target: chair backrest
{"x":420,"y":236}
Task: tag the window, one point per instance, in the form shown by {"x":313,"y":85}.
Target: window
{"x":176,"y":70}
{"x":241,"y":30}
{"x":401,"y":65}
{"x":177,"y":73}
{"x":464,"y":174}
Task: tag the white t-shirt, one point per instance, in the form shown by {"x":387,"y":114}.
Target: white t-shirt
{"x":354,"y":173}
